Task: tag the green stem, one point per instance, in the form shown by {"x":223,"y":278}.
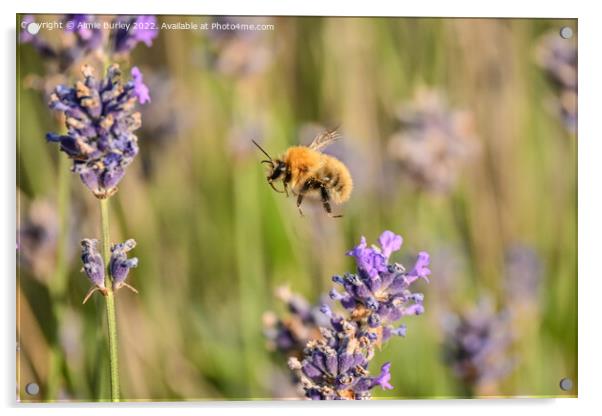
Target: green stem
{"x":110,"y":302}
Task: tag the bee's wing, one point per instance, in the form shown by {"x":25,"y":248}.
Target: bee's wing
{"x":324,"y":139}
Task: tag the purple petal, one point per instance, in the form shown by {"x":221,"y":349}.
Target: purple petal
{"x":420,"y":269}
{"x":384,"y":377}
{"x":368,"y":260}
{"x":140,"y":88}
{"x":146,"y":29}
{"x":389,"y":242}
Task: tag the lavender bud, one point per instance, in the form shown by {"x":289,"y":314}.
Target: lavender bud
{"x":94,"y":266}
{"x":119,"y":264}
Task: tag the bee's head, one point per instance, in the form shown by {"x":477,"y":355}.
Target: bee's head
{"x":276,"y":167}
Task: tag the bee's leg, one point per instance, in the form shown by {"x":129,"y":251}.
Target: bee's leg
{"x":299,"y":200}
{"x":326,"y":202}
{"x":286,"y":181}
{"x":306,"y":186}
{"x":274,"y":187}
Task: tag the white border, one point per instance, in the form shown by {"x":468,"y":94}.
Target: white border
{"x":590,"y":206}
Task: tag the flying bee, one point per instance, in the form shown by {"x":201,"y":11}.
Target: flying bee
{"x":309,"y":172}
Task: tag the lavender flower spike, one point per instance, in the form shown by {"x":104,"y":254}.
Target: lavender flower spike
{"x":335,"y":365}
{"x":100,"y":121}
{"x":120,"y":265}
{"x":381,"y":290}
{"x":94,"y":267}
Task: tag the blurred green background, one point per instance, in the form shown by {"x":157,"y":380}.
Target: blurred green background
{"x":214,"y":241}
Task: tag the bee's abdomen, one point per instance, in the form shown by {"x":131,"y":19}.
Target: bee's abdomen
{"x":336,"y":179}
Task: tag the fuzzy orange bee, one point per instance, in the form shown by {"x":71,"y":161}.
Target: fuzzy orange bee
{"x":311,"y":173}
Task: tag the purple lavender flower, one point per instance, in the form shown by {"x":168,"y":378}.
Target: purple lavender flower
{"x":24,"y":35}
{"x":120,"y":265}
{"x":335,"y":365}
{"x":78,"y":23}
{"x":558,"y":57}
{"x":476,"y":348}
{"x":81,"y":36}
{"x":380,"y":291}
{"x":100,"y":120}
{"x":87,"y":30}
{"x":41,"y":46}
{"x":434,"y":141}
{"x":133,"y":30}
{"x":94,"y":266}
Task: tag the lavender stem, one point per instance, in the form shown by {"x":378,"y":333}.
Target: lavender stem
{"x":110,"y":301}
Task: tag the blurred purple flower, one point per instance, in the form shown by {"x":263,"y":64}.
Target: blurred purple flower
{"x":79,"y":38}
{"x":289,"y":334}
{"x":24,"y":35}
{"x":146,"y":29}
{"x":433,"y":143}
{"x":38,"y":230}
{"x":83,"y":26}
{"x":132,"y":30}
{"x":100,"y":120}
{"x":476,"y":346}
{"x":523,"y":273}
{"x":558,"y":58}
